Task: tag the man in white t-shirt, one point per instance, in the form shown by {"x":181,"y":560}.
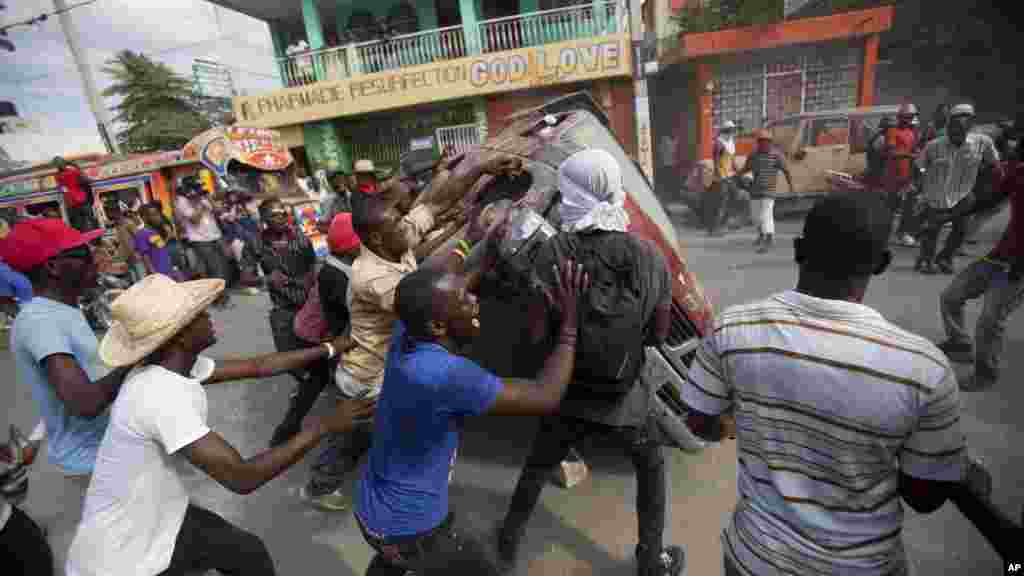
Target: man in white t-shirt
{"x":137,"y":518}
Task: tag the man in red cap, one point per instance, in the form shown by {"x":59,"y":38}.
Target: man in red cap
{"x":334,"y":291}
{"x":55,"y":350}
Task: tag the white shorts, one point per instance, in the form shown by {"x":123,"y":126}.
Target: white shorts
{"x":350,"y":387}
{"x":762,"y":212}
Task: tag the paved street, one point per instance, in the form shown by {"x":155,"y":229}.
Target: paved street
{"x":591,"y":528}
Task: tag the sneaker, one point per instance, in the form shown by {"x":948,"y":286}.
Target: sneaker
{"x":908,"y":241}
{"x":925,"y":267}
{"x":975,"y":383}
{"x":333,"y":501}
{"x":959,"y":352}
{"x":671,"y":562}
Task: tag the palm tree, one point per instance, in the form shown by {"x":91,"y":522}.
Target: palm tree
{"x":156,"y":108}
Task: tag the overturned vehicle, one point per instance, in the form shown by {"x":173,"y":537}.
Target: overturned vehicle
{"x":543,"y":138}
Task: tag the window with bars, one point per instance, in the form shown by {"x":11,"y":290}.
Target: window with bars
{"x":739,"y":99}
{"x":786,"y":83}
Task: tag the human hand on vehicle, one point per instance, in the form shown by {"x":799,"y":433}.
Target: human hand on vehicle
{"x":483,"y":221}
{"x":346,"y":415}
{"x":570,"y":284}
{"x":502,"y":164}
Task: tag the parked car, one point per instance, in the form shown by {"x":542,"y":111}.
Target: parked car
{"x":817,"y":143}
{"x":543,"y":137}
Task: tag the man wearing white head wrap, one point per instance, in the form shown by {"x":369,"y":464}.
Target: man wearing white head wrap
{"x":595,"y":222}
{"x":592,"y":193}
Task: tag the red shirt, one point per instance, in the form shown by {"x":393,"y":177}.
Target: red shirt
{"x":900,"y":141}
{"x":1011,"y":246}
{"x":69,"y":179}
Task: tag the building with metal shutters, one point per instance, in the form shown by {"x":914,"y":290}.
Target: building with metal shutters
{"x":756,"y":75}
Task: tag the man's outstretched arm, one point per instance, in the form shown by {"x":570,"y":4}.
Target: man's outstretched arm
{"x":269,"y":365}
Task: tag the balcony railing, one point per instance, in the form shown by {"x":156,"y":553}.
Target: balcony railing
{"x":509,"y":33}
{"x":412,"y":49}
{"x":302,"y":69}
{"x":549,"y":26}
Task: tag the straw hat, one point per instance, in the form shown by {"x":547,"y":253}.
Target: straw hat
{"x":150,"y":313}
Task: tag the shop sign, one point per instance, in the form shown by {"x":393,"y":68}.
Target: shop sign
{"x":560,"y":63}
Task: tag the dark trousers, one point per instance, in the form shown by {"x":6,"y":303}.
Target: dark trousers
{"x":81,"y":217}
{"x":443,"y":550}
{"x":212,"y":261}
{"x":23,"y":547}
{"x":208,"y":542}
{"x":554,"y":439}
{"x":340,"y":457}
{"x":930,"y":239}
{"x":907,"y":197}
{"x":311,"y":381}
{"x":718,"y":200}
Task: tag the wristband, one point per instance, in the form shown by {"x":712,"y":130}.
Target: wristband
{"x":331,"y":352}
{"x":465,"y":246}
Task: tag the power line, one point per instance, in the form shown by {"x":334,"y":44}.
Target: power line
{"x":45,"y":16}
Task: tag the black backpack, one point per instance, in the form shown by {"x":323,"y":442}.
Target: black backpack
{"x":615,"y":311}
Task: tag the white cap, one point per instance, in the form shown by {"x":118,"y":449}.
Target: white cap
{"x":364,"y":166}
{"x":728,"y":125}
{"x":962,"y":110}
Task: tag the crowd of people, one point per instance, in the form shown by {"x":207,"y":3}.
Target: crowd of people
{"x":822,"y":469}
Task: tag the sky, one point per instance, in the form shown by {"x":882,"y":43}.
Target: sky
{"x":40,"y":77}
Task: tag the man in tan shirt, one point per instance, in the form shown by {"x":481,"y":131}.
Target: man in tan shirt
{"x":393,"y":229}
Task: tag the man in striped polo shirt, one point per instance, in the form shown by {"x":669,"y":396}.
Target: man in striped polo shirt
{"x":838,"y":412}
{"x":766,"y":163}
{"x":952,"y":163}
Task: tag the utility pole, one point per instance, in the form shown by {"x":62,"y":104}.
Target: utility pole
{"x":98,"y":110}
{"x":644,"y":146}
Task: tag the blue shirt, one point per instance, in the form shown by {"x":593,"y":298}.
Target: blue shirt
{"x":427,"y":392}
{"x":43,"y":328}
{"x":14,"y":283}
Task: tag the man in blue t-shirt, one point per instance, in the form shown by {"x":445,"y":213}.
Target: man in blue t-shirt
{"x":402,"y":502}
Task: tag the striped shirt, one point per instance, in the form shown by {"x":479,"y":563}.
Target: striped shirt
{"x":766,"y":167}
{"x":951,"y":171}
{"x":831,"y":403}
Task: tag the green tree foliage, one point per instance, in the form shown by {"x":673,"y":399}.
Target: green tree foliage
{"x":714,"y":15}
{"x":155,"y":105}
